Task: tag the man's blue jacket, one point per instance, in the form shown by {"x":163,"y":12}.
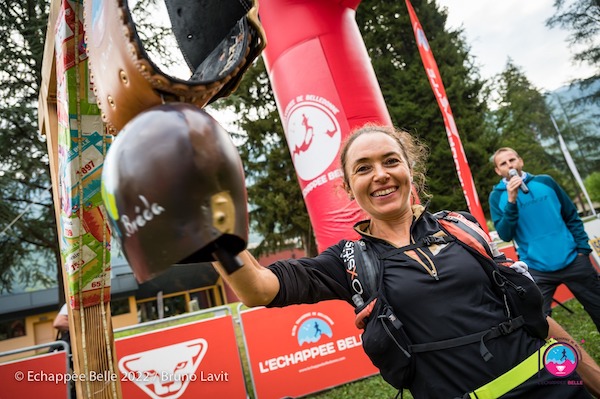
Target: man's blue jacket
{"x":544,"y":223}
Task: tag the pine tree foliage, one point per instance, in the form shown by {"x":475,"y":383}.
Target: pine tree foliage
{"x":592,"y":185}
{"x":28,"y":239}
{"x":582,"y":19}
{"x":390,"y":41}
{"x":277,"y":209}
{"x":522,"y":121}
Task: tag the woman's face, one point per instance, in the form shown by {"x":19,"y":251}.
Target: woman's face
{"x":379,"y":176}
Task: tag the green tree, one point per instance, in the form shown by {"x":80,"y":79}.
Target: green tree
{"x":388,"y":35}
{"x":582,"y":19}
{"x":522,"y":121}
{"x":277,"y":210}
{"x":29,"y":250}
{"x":28,"y":239}
{"x":592,"y":185}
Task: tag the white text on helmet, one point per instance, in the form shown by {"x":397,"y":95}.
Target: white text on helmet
{"x":142,"y":216}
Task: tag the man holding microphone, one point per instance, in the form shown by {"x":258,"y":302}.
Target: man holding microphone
{"x":535,"y":212}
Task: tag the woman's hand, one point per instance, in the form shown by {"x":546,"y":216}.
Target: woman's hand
{"x":254,"y":284}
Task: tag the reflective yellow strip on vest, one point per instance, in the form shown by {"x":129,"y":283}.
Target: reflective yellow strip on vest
{"x":513,"y":377}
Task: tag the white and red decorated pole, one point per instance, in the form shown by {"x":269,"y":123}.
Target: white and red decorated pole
{"x":458,"y":153}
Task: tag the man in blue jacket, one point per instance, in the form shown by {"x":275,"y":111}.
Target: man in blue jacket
{"x":535,"y":212}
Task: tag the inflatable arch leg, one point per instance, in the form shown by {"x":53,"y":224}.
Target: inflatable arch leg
{"x":325,"y":86}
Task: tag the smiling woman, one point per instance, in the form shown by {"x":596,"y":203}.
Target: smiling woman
{"x":378,"y":165}
{"x":417,"y":263}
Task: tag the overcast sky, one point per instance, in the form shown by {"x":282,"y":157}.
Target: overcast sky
{"x":496,"y":30}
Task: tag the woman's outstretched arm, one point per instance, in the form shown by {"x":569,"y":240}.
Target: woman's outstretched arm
{"x":254,"y":284}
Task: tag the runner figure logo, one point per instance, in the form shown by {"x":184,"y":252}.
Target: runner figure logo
{"x":313,"y":136}
{"x":560,"y":359}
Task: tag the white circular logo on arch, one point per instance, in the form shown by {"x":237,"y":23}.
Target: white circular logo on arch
{"x":313,"y":135}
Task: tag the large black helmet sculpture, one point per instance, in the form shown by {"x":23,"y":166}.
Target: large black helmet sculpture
{"x":173,"y":185}
{"x":172,"y":181}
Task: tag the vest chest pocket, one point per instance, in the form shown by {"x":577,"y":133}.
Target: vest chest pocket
{"x":387,"y":345}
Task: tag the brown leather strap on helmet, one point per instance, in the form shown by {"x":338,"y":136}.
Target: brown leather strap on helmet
{"x":126,"y":82}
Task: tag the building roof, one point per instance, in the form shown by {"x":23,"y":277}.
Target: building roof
{"x":123,"y":283}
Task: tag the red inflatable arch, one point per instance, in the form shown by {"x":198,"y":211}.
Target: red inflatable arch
{"x":325,"y":86}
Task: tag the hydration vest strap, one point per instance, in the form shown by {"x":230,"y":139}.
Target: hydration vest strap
{"x":423,"y":242}
{"x":368,"y":266}
{"x":513,"y":377}
{"x":504,"y":328}
{"x":468,"y":232}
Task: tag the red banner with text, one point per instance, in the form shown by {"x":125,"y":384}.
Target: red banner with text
{"x":458,"y":153}
{"x":308,"y":349}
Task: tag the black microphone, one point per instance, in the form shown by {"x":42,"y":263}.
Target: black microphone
{"x":512,"y":173}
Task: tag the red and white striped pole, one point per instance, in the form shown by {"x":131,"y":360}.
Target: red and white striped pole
{"x":458,"y":153}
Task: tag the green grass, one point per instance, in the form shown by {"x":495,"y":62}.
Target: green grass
{"x":372,"y":388}
{"x":579,"y":325}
